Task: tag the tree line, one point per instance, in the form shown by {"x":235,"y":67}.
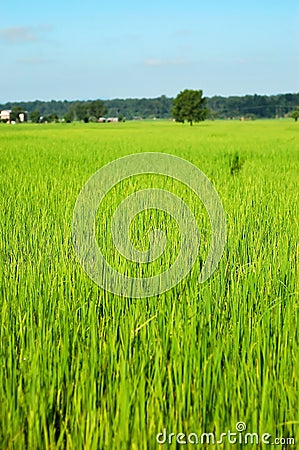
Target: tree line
{"x":251,"y":106}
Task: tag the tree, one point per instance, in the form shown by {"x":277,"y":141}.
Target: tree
{"x":295,"y":114}
{"x":15,"y":113}
{"x":52,"y":118}
{"x":80,"y":110}
{"x":35,"y":116}
{"x":96,"y":108}
{"x":190,"y":106}
{"x":87,"y":111}
{"x":70,"y":114}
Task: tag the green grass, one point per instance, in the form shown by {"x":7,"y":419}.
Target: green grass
{"x":81,"y":368}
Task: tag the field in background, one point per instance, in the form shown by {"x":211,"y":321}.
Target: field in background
{"x":82,"y":368}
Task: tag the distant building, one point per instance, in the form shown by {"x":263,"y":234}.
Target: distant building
{"x":110,"y":119}
{"x":5,"y":115}
{"x":23,"y":116}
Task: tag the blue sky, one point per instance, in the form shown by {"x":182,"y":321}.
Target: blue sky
{"x":100,"y":49}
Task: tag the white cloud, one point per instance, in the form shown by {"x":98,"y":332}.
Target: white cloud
{"x":16,"y":35}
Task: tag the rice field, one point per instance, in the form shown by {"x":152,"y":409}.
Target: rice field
{"x":82,"y":368}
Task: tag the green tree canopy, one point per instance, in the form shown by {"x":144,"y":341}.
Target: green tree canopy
{"x":52,"y":117}
{"x":189,"y":106}
{"x":89,"y":110}
{"x":261,"y":106}
{"x":69,"y":116}
{"x":295,"y":114}
{"x":35,"y":116}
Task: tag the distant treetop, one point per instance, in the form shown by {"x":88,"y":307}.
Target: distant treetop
{"x":258,"y":106}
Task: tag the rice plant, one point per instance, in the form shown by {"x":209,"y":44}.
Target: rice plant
{"x":85,"y":369}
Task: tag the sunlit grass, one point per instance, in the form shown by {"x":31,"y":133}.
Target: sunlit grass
{"x":82,"y":368}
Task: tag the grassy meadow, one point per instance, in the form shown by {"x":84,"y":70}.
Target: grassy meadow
{"x":81,"y":368}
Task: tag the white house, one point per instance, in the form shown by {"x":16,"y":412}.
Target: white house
{"x":5,"y":115}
